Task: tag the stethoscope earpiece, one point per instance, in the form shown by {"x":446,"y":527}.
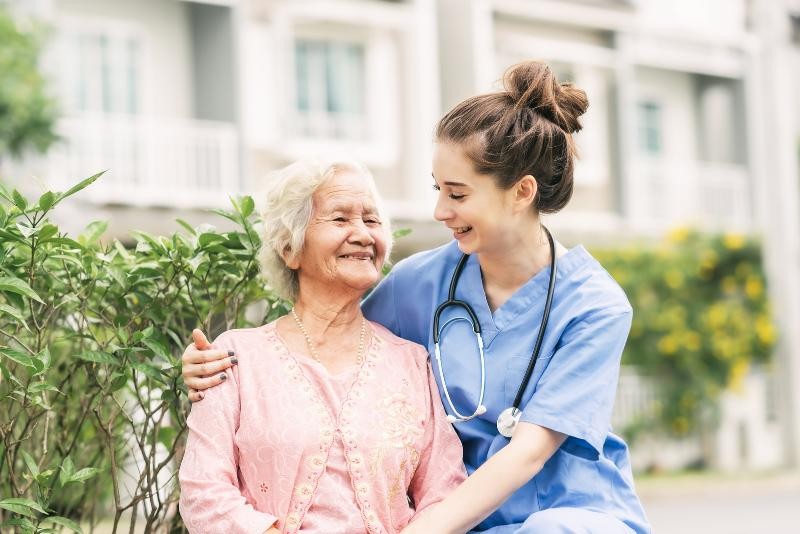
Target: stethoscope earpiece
{"x":481,"y":410}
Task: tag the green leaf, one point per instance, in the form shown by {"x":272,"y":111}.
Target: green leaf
{"x":47,"y":200}
{"x":22,"y":522}
{"x":15,"y":285}
{"x":157,"y":348}
{"x":84,"y":474}
{"x":19,"y":200}
{"x":118,"y":381}
{"x":64,"y":522}
{"x":81,"y":185}
{"x":66,"y":472}
{"x":21,"y":503}
{"x":208,"y":239}
{"x":31,"y":463}
{"x":15,"y":313}
{"x":18,"y":357}
{"x":93,"y":231}
{"x":247,"y":206}
{"x":188,"y":227}
{"x":166,"y":436}
{"x":149,"y":370}
{"x":97,"y":356}
{"x":401,"y":232}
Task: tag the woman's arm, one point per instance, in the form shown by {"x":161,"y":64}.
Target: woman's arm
{"x":211,"y":500}
{"x":491,"y":484}
{"x":441,"y":465}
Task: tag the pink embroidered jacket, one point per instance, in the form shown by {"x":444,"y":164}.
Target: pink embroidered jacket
{"x":260,"y":442}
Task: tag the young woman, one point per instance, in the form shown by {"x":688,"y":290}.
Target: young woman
{"x":527,"y":349}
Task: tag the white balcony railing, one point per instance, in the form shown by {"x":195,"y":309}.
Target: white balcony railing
{"x":710,"y":195}
{"x":151,"y":161}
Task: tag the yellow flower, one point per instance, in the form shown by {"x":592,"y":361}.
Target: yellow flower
{"x":678,"y":234}
{"x":737,"y":374}
{"x":674,"y":279}
{"x":667,"y":345}
{"x":733,"y":241}
{"x":680,"y":425}
{"x":691,"y":341}
{"x":765,"y":330}
{"x":753,"y":288}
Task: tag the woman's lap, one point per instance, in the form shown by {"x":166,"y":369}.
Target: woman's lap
{"x":564,"y":521}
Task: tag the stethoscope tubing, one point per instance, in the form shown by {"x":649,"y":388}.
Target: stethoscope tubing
{"x":456,"y":416}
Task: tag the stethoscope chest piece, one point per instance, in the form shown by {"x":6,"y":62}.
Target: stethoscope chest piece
{"x":507,"y":421}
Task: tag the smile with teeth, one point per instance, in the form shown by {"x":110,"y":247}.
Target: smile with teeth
{"x":463,"y":229}
{"x":365,"y":256}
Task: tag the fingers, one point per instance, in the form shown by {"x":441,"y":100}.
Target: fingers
{"x":200,"y":340}
{"x":192,"y":355}
{"x":209,"y":368}
{"x":204,"y":382}
{"x":195,"y":396}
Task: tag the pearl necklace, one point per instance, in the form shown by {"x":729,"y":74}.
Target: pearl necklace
{"x":313,"y":348}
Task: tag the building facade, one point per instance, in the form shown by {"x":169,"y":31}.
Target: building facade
{"x":692,"y":118}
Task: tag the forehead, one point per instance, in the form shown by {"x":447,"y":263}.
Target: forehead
{"x":450,"y":162}
{"x":346,"y":189}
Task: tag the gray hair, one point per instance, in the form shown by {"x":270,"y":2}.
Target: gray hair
{"x":287,"y":211}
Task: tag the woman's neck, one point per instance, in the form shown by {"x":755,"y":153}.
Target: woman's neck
{"x":510,"y":265}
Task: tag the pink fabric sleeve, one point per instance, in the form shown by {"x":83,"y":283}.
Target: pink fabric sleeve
{"x":441,"y":463}
{"x":211,"y":500}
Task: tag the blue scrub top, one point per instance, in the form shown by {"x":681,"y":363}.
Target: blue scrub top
{"x":572,"y":389}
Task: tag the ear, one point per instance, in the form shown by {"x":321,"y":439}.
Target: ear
{"x":291,"y":260}
{"x":525,"y":191}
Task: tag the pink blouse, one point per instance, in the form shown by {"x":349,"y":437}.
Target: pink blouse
{"x":282,"y":439}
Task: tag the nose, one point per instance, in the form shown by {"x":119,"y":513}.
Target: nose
{"x":442,"y":211}
{"x":360,"y":234}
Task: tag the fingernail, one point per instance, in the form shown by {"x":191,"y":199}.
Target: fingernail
{"x":234,"y":360}
{"x":230,"y":353}
{"x":223,"y":376}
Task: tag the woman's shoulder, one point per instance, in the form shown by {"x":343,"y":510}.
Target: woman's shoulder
{"x":245,"y":338}
{"x":590,"y":286}
{"x":396,"y":343}
{"x":429,"y":261}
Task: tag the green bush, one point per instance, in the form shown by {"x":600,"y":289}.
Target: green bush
{"x":701,"y":319}
{"x":94,"y":409}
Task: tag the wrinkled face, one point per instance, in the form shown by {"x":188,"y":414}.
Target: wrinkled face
{"x":471,"y":205}
{"x":345,"y":242}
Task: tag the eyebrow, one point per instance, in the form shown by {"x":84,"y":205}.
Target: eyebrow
{"x":347,"y":208}
{"x":451,"y":183}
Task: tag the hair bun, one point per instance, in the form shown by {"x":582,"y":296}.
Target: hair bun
{"x":532,"y":84}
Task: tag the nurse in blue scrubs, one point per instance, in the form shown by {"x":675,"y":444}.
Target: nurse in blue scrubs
{"x":502,"y":160}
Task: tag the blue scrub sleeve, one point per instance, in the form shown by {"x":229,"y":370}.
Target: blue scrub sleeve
{"x":380,"y":305}
{"x":575,"y":394}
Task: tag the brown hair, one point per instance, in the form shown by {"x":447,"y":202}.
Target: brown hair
{"x":524,"y":129}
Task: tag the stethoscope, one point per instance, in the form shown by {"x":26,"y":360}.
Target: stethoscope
{"x":508,"y":418}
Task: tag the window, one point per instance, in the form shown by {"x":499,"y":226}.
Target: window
{"x":330,"y":89}
{"x":650,"y":132}
{"x":101,"y":71}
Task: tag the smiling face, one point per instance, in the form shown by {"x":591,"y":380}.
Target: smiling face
{"x":471,"y":205}
{"x":345,"y":243}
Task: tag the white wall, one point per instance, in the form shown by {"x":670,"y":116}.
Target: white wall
{"x":167,"y":55}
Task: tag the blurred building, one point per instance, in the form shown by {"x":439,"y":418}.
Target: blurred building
{"x":693,"y":119}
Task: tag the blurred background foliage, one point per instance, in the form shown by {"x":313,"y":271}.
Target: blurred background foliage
{"x":91,"y":332}
{"x":27,"y":110}
{"x":701,"y":320}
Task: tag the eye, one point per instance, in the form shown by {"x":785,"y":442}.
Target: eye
{"x":455,"y":196}
{"x":340,"y":219}
{"x":372,"y":220}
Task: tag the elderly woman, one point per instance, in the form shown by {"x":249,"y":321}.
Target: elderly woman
{"x":327,"y":423}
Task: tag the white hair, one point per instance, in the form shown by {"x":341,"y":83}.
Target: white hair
{"x":287,"y":211}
